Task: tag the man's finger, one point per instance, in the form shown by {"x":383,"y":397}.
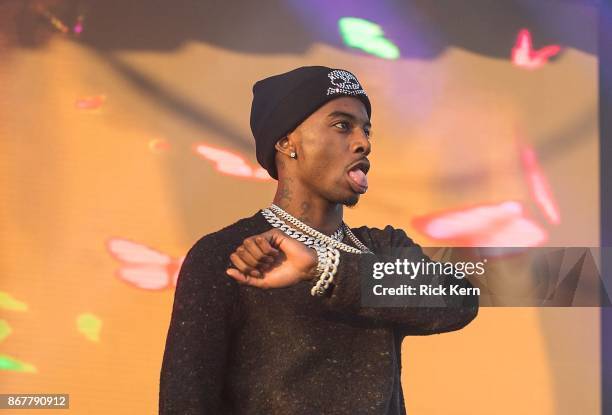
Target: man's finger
{"x":245,"y":256}
{"x":273,"y":236}
{"x":258,"y":282}
{"x":265,"y":247}
{"x":245,"y":279}
{"x":237,"y":275}
{"x":278,"y":239}
{"x":248,"y":269}
{"x":240,"y":264}
{"x":253,"y":248}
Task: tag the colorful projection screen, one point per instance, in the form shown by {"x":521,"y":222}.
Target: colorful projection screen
{"x":125,"y":138}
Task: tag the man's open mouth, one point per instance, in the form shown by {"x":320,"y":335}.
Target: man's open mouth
{"x":357,"y":176}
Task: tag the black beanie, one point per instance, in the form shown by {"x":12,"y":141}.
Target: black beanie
{"x":281,"y":102}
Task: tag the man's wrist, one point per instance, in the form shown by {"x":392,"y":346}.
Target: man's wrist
{"x":311,"y":272}
{"x":315,"y":270}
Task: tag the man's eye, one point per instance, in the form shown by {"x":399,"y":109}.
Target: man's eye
{"x":343,"y":125}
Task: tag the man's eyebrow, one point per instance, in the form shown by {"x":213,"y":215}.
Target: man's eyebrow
{"x":347,"y":115}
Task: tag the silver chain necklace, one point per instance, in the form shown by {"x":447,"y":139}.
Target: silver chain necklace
{"x":309,"y":235}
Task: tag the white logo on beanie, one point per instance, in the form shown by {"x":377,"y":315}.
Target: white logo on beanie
{"x":344,"y":82}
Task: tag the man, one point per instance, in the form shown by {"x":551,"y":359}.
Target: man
{"x":267,"y":317}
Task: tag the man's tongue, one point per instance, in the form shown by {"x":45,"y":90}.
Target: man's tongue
{"x":358,"y":177}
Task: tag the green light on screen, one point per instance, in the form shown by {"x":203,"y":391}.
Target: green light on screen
{"x":8,"y":302}
{"x":12,"y":364}
{"x":5,"y":329}
{"x":367,"y":36}
{"x":89,"y":325}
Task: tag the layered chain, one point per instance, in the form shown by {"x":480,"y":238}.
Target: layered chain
{"x":307,"y":240}
{"x":326,"y":247}
{"x":361,"y":248}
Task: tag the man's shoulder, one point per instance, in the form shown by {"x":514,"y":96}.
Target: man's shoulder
{"x":368,"y":229}
{"x":233,"y":234}
{"x":210,"y":253}
{"x":378,"y":238}
{"x":387,"y":231}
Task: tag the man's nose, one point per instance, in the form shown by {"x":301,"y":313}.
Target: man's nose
{"x":361,"y":143}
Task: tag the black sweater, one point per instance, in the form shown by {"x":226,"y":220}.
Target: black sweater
{"x":233,"y":349}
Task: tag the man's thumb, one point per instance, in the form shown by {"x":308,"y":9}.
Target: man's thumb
{"x":274,"y":236}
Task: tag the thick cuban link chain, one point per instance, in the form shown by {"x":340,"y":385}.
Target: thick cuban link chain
{"x":320,"y":236}
{"x":329,"y":259}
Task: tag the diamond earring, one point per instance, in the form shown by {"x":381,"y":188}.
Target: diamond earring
{"x":293,"y":155}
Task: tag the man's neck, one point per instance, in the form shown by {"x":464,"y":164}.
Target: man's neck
{"x":311,"y":209}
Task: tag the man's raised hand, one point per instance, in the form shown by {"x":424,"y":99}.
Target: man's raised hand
{"x":272,"y":260}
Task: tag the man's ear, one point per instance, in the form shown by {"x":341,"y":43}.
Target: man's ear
{"x":284,"y":146}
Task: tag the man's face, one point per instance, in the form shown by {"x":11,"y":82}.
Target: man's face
{"x":332,"y":145}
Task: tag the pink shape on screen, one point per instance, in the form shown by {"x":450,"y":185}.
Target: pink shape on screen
{"x":89,"y":103}
{"x":524,"y":56}
{"x":78,"y":26}
{"x":500,"y":224}
{"x":142,"y":266}
{"x":538,"y":185}
{"x":230,"y":163}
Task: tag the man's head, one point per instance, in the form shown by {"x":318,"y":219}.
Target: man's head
{"x":330,"y":148}
{"x":312,"y":124}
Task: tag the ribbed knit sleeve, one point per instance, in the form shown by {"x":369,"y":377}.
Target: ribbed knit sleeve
{"x":195,"y":356}
{"x":417,"y":318}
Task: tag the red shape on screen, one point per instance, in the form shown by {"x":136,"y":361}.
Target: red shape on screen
{"x":524,"y":56}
